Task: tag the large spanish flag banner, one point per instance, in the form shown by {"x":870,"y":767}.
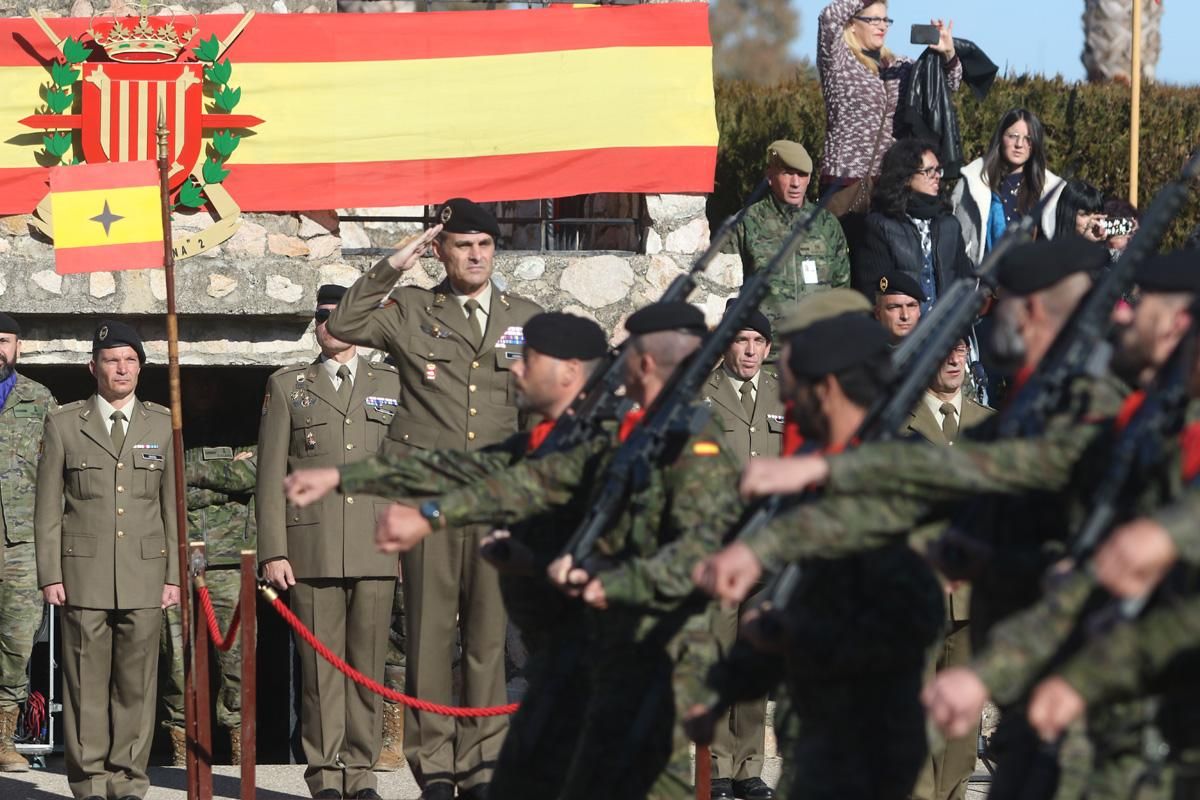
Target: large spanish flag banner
{"x":361,"y":110}
{"x":108,"y":217}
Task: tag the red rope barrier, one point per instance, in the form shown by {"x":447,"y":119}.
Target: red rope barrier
{"x":220,"y":642}
{"x":374,"y":686}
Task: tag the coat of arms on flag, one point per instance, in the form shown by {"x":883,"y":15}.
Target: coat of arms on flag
{"x":120,"y":95}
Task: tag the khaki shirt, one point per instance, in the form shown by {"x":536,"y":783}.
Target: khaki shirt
{"x":747,"y":437}
{"x":104,"y":521}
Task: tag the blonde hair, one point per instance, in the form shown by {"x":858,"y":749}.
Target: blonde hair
{"x":886,"y":56}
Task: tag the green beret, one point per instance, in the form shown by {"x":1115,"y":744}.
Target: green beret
{"x":1039,"y":265}
{"x":790,"y":154}
{"x":110,"y":334}
{"x":1173,"y":272}
{"x":834,"y":344}
{"x":460,"y":215}
{"x":821,"y":305}
{"x":560,"y":335}
{"x":667,"y":317}
{"x":897,"y":282}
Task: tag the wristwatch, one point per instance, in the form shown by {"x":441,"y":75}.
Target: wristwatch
{"x":431,"y":511}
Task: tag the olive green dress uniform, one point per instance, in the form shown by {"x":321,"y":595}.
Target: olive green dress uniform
{"x":22,"y":420}
{"x":738,"y":745}
{"x":105,"y":528}
{"x":952,"y":762}
{"x":343,"y":590}
{"x":455,"y":395}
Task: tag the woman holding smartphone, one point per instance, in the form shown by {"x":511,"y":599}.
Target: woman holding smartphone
{"x":861,"y":82}
{"x":1005,"y":184}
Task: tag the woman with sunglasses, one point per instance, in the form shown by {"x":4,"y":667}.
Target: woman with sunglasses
{"x":1005,"y":184}
{"x":861,"y":82}
{"x":910,"y":228}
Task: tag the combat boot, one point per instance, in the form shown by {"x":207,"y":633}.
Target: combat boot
{"x":391,"y":755}
{"x":178,"y":747}
{"x":10,"y":759}
{"x":235,"y":746}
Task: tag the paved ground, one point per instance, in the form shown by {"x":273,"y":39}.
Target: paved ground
{"x":275,"y":782}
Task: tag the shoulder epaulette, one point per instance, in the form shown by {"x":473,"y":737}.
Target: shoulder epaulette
{"x":72,"y":406}
{"x":161,"y":409}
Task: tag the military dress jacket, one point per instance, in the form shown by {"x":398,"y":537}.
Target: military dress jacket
{"x":748,"y":436}
{"x":104,"y":521}
{"x":922,"y":421}
{"x":22,"y":421}
{"x":304,"y":426}
{"x":453,"y":395}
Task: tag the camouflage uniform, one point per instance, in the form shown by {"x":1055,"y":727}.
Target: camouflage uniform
{"x":824,"y":251}
{"x":543,"y":732}
{"x":220,"y":501}
{"x":647,"y":653}
{"x":21,"y":605}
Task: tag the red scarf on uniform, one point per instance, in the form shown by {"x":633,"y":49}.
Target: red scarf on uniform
{"x":632,"y":420}
{"x":1189,"y":439}
{"x":539,"y":434}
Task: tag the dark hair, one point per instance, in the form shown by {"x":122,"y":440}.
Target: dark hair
{"x":900,"y":163}
{"x":1033,"y":173}
{"x":866,"y":381}
{"x":1076,"y":196}
{"x":1120,"y":207}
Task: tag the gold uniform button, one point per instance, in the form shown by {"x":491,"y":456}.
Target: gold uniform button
{"x":120,"y":465}
{"x":84,"y":465}
{"x":120,"y":512}
{"x":471,"y":388}
{"x":752,"y":429}
{"x":431,"y":355}
{"x":471,"y":435}
{"x":162,"y":552}
{"x":349,"y":501}
{"x":120,"y":534}
{"x":473,"y":412}
{"x":70,"y":549}
{"x":120,"y":489}
{"x":349,"y":447}
{"x":754,"y":452}
{"x":474,"y":365}
{"x":406,"y":437}
{"x":348,"y":420}
{"x":296,"y":518}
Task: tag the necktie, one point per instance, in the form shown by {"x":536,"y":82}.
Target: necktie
{"x":117,"y":431}
{"x":345,"y":387}
{"x":472,"y":308}
{"x":949,"y":422}
{"x":747,"y":393}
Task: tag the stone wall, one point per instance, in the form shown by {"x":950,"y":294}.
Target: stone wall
{"x":250,"y":300}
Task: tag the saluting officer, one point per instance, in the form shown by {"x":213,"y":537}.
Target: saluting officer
{"x":104,"y":529}
{"x":455,"y":346}
{"x":332,"y":411}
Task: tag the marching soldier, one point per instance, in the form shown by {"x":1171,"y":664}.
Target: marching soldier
{"x":104,"y":526}
{"x":898,"y":304}
{"x":751,"y":416}
{"x":454,"y":347}
{"x":821,"y":261}
{"x":220,"y":509}
{"x":24,"y":404}
{"x":333,"y":411}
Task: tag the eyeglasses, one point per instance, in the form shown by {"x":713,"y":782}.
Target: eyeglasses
{"x":929,"y":172}
{"x":877,"y":22}
{"x":1018,"y":138}
{"x":322,"y":314}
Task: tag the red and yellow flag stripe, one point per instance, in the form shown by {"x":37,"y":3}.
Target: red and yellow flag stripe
{"x":399,"y":109}
{"x":107,"y":217}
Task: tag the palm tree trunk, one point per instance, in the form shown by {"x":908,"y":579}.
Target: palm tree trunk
{"x":1108,"y":39}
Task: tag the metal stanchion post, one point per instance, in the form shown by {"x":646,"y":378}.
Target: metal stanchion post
{"x":203,"y":731}
{"x":248,"y":603}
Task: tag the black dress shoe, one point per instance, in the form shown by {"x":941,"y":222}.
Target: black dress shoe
{"x":753,"y":789}
{"x":366,"y":794}
{"x":438,"y":791}
{"x":722,"y":789}
{"x":476,"y":792}
{"x":328,"y":794}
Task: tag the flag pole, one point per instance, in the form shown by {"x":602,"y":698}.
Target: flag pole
{"x":196,"y":773}
{"x":1135,"y":105}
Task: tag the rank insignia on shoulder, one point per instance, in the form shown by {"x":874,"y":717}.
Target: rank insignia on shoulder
{"x":514,"y":336}
{"x":706,"y":448}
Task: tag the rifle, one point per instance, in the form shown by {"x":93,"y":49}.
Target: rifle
{"x":601,"y":399}
{"x":672,"y":415}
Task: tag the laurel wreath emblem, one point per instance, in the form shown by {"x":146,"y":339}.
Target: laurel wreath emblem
{"x":60,"y":96}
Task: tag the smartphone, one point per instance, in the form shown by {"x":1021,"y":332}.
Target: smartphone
{"x":925,"y":34}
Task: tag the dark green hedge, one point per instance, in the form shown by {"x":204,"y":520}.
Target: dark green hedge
{"x":1087,"y":128}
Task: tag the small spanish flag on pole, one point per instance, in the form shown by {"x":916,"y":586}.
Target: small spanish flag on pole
{"x":107,"y":217}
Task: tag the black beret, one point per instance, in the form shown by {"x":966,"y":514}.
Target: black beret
{"x":560,"y":335}
{"x":9,"y":325}
{"x":330,"y":294}
{"x":460,"y":215}
{"x":667,"y":317}
{"x":1038,"y":265}
{"x":897,"y":282}
{"x":834,"y":344}
{"x":110,"y":333}
{"x":755,"y":321}
{"x":1173,"y":272}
